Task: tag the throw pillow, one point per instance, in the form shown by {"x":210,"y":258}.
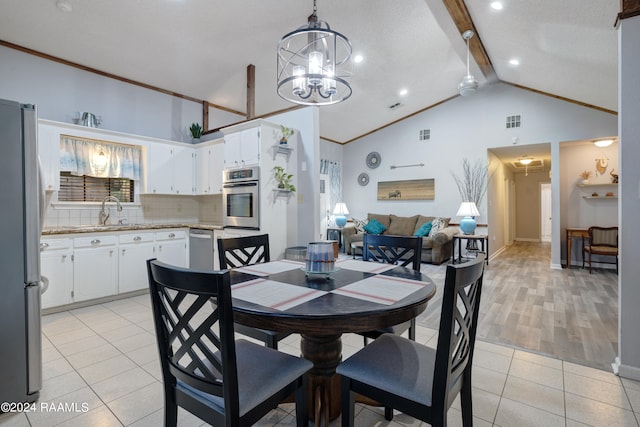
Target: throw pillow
{"x":438,"y":225}
{"x":359,"y":223}
{"x":374,"y":227}
{"x":423,"y":230}
{"x":402,"y":225}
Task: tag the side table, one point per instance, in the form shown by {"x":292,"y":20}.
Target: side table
{"x":483,"y":239}
{"x":335,"y":234}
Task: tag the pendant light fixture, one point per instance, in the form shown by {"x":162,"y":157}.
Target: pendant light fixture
{"x":469,"y":84}
{"x":314,"y":64}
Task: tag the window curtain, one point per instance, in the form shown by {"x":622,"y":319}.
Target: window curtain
{"x":334,"y":170}
{"x":99,"y":159}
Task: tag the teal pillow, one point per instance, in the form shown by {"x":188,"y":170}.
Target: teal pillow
{"x":375,"y":227}
{"x":423,"y":230}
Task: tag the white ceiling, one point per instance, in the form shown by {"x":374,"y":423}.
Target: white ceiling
{"x":201,"y":48}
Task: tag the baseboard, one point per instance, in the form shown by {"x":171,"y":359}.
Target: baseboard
{"x":555,"y":266}
{"x":625,"y":371}
{"x":496,"y":253}
{"x":523,"y":239}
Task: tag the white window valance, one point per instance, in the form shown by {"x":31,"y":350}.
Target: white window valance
{"x":101,"y":159}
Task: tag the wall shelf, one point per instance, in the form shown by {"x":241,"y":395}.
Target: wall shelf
{"x":599,"y":197}
{"x":608,"y":184}
{"x":282,"y":149}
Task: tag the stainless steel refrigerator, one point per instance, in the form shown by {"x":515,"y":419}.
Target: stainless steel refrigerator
{"x":20,"y":225}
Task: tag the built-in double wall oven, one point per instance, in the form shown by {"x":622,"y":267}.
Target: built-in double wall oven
{"x":241,"y":198}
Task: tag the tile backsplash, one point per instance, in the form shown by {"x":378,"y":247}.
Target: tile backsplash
{"x":151,"y":209}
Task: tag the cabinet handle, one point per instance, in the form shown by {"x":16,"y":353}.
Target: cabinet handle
{"x":137,"y":239}
{"x":43,"y":246}
{"x":64,"y":257}
{"x":123,"y":251}
{"x":172,"y":235}
{"x":95,"y":242}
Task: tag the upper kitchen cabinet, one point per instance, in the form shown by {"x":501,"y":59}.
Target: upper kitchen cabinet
{"x":242,"y":148}
{"x":209,"y":166}
{"x":170,"y":169}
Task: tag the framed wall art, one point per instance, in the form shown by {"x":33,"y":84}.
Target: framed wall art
{"x":415,"y":189}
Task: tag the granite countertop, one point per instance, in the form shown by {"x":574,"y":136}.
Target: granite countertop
{"x":76,"y":229}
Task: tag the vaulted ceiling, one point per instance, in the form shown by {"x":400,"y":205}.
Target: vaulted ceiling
{"x":201,"y":48}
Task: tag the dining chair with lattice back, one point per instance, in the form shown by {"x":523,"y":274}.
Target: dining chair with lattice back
{"x":417,"y":380}
{"x":241,"y":252}
{"x":402,"y":250}
{"x":204,"y":369}
{"x":601,"y":241}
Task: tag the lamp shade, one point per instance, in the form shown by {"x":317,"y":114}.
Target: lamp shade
{"x":340,"y":210}
{"x":468,"y":210}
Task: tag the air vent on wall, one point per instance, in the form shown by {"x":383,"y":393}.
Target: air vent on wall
{"x":425,"y":134}
{"x":513,"y":121}
{"x":536,"y":164}
{"x":394,"y":106}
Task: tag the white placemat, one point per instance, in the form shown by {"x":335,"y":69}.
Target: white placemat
{"x":272,"y":267}
{"x":276,"y":295}
{"x":364,"y":266}
{"x":381,"y":289}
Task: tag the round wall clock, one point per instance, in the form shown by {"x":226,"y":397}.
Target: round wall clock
{"x":373,"y":160}
{"x":363,"y":179}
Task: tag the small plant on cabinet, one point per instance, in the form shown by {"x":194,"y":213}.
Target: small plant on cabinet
{"x":196,"y":130}
{"x":284,"y":179}
{"x":585,"y":175}
{"x":285,"y":133}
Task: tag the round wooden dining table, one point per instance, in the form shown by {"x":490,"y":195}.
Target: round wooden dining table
{"x":358,"y":297}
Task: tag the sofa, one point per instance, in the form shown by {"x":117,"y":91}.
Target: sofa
{"x":436,"y":248}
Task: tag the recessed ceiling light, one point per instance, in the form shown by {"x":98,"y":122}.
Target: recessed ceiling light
{"x":403,"y":92}
{"x":357,"y":59}
{"x":64,"y":6}
{"x":603,"y":142}
{"x":514,"y":62}
{"x":496,"y":5}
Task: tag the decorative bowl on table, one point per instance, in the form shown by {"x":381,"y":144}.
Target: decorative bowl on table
{"x":320,"y":258}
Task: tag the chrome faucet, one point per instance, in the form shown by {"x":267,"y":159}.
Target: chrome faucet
{"x":104,"y":214}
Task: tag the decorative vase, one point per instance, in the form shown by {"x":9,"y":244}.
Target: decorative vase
{"x":283,"y":141}
{"x":195,"y":140}
{"x":585,"y":182}
{"x":468,"y":225}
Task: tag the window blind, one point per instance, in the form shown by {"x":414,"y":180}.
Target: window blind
{"x":86,"y":188}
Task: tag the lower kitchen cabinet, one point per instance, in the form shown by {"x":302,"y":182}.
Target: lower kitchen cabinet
{"x":95,"y":267}
{"x":172,"y":247}
{"x":57,"y":268}
{"x":91,"y":266}
{"x":134,"y":250}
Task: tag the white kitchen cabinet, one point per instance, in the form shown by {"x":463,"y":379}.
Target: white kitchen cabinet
{"x":242,"y":148}
{"x":57,"y":268}
{"x":95,"y":267}
{"x":209,"y":166}
{"x":134,"y":250}
{"x":183,"y":169}
{"x":172,"y":248}
{"x":170,"y":169}
{"x":49,"y":154}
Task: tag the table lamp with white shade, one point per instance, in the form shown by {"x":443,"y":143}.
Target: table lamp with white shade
{"x":340,"y":211}
{"x":468,"y":211}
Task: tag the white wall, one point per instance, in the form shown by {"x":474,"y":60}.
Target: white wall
{"x":61,"y":92}
{"x":628,"y":360}
{"x":463,"y":127}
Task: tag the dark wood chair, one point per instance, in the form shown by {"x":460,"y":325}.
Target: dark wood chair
{"x":401,"y":250}
{"x":420,"y":381}
{"x":204,"y":370}
{"x":240,"y":252}
{"x":601,"y":241}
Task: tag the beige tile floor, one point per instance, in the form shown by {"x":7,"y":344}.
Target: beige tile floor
{"x":103,"y":358}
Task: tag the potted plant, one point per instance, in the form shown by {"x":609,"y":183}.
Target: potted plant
{"x":585,"y":175}
{"x":196,"y":131}
{"x":285,"y":133}
{"x":284,"y":179}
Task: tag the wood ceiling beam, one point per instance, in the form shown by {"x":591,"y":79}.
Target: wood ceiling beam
{"x":630,"y":8}
{"x":251,"y":91}
{"x":462,"y":19}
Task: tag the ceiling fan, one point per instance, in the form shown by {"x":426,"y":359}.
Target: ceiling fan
{"x":469,"y":84}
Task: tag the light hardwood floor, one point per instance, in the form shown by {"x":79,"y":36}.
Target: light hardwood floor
{"x":568,"y":314}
